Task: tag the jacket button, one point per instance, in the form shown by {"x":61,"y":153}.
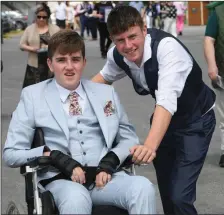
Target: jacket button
{"x":80,"y":132}
{"x":84,"y":153}
{"x":78,"y":121}
{"x":82,"y":142}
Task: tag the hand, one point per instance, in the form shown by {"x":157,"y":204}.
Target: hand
{"x":34,"y":49}
{"x":213,"y":73}
{"x":142,"y":154}
{"x":102,"y":179}
{"x":47,"y":153}
{"x":100,"y":16}
{"x":78,"y":175}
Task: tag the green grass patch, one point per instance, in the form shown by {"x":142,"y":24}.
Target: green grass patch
{"x":12,"y":33}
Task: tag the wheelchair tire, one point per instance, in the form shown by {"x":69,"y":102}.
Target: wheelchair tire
{"x":13,"y":208}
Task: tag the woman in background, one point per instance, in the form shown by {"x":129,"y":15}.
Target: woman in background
{"x":181,"y":8}
{"x":35,"y":41}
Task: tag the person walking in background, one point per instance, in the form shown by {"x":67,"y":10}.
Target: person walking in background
{"x":70,"y":14}
{"x":101,"y":10}
{"x":214,"y":55}
{"x":138,"y":5}
{"x":93,"y":22}
{"x":155,"y":14}
{"x":60,"y":14}
{"x":148,"y":15}
{"x":82,"y":10}
{"x":170,"y":20}
{"x":35,"y":41}
{"x":181,"y":8}
{"x":162,"y":14}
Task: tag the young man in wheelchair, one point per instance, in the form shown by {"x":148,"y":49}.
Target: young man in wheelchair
{"x":84,"y":126}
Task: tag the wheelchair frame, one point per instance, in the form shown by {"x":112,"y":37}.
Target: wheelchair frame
{"x":35,"y":199}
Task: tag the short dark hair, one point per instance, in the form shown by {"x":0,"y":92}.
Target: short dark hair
{"x":120,"y":19}
{"x":43,"y":7}
{"x":64,"y":42}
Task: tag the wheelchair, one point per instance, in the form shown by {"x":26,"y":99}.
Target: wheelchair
{"x":43,"y":202}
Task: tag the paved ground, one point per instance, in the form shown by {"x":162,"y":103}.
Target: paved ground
{"x":210,"y":188}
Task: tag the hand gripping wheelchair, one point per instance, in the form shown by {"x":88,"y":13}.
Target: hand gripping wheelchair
{"x":43,"y":203}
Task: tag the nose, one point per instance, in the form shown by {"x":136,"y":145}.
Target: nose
{"x":69,"y":65}
{"x":128,"y":44}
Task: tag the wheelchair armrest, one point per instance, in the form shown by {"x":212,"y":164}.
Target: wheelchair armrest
{"x":36,"y":164}
{"x":127,"y":163}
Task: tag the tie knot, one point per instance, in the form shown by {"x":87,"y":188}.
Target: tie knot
{"x":73,"y":95}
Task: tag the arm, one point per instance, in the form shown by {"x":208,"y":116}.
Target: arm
{"x":126,"y":136}
{"x":17,"y":150}
{"x":209,"y":52}
{"x":209,"y":42}
{"x":110,"y":72}
{"x":24,"y":46}
{"x":175,"y":65}
{"x":98,"y":78}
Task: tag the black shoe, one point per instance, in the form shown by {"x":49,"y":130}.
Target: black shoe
{"x":180,"y":33}
{"x":221,"y":162}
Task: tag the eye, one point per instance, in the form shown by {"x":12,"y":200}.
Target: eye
{"x":60,"y":60}
{"x":76,"y":59}
{"x":132,"y":37}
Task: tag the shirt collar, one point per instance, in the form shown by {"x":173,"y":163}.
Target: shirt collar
{"x":64,"y":93}
{"x":146,"y":55}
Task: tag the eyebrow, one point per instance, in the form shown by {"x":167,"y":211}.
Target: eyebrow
{"x":62,"y":57}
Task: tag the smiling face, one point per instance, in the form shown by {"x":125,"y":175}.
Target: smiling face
{"x":67,"y":68}
{"x":130,"y":44}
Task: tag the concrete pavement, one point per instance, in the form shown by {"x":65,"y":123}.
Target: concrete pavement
{"x":210,"y":188}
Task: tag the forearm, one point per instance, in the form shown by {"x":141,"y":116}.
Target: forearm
{"x":209,"y":51}
{"x":28,"y":48}
{"x":160,"y":124}
{"x":99,"y":79}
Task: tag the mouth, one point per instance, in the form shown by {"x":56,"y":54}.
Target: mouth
{"x":69,"y":74}
{"x":131,"y":52}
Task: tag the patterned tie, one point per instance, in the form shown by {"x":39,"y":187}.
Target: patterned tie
{"x":74,"y":107}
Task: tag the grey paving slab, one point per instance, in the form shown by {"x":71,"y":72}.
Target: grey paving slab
{"x":210,"y":187}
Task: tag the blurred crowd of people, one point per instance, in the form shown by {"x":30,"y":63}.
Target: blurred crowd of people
{"x":168,"y":16}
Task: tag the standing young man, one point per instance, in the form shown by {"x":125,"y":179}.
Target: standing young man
{"x":183,"y":121}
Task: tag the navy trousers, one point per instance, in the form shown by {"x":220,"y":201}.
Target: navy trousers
{"x":178,"y":163}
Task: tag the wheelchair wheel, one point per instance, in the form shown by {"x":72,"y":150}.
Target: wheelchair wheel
{"x":13,"y":208}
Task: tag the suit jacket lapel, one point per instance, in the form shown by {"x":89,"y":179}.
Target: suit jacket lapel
{"x":53,"y":100}
{"x":98,"y":109}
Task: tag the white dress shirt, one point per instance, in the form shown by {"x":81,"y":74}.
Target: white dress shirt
{"x":61,"y":11}
{"x":64,"y":93}
{"x":175,"y":65}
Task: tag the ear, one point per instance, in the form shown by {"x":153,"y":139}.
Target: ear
{"x":49,"y":63}
{"x":111,"y":37}
{"x":144,"y":30}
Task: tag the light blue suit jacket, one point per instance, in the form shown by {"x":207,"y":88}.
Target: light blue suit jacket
{"x":40,"y":106}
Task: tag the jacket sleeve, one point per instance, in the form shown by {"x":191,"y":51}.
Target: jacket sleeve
{"x":17,"y":150}
{"x":126,"y":136}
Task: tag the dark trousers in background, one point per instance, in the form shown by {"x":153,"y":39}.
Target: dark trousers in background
{"x":104,"y":35}
{"x":178,"y":163}
{"x":61,"y":23}
{"x":92,"y":23}
{"x":84,"y":24}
